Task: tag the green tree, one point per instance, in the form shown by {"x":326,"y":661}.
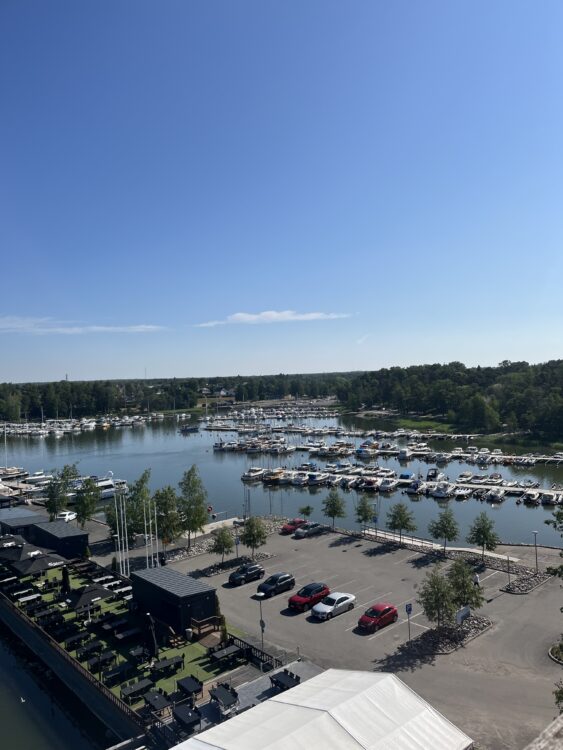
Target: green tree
{"x":59,"y":488}
{"x":364,"y":511}
{"x":223,"y":542}
{"x":465,"y":593}
{"x":333,"y":506}
{"x":482,"y":532}
{"x":444,"y":527}
{"x":306,"y":511}
{"x":253,"y":534}
{"x":169,"y":525}
{"x":87,"y":497}
{"x":192,"y":504}
{"x":138,"y":508}
{"x":436,"y":598}
{"x":400,"y":518}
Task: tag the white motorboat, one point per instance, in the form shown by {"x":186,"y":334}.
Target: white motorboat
{"x":253,"y":474}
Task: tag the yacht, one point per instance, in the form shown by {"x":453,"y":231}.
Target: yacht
{"x":443,"y":491}
{"x":495,"y":495}
{"x":418,"y":487}
{"x":388,"y":484}
{"x":316,"y":478}
{"x":253,"y":474}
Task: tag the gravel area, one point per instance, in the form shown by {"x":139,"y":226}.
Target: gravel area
{"x":526,"y":583}
{"x":448,"y":638}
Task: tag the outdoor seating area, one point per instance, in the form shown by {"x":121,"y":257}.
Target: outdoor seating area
{"x":285,"y":680}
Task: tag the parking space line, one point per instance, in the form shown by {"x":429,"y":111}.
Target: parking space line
{"x":393,"y":625}
{"x":363,"y":604}
{"x":406,"y":559}
{"x":491,"y":574}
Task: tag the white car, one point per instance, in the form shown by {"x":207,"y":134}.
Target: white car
{"x":66,"y":515}
{"x":333,"y":604}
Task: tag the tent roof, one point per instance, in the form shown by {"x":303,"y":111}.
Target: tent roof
{"x":341,"y":709}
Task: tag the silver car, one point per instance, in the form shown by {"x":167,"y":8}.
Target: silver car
{"x":308,"y":529}
{"x":333,"y":604}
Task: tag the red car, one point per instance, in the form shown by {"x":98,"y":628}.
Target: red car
{"x":291,"y":526}
{"x":308,"y":596}
{"x":377,"y":616}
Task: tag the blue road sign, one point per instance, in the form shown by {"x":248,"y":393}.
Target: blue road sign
{"x":237,"y":541}
{"x":375,"y":519}
{"x":408,"y":608}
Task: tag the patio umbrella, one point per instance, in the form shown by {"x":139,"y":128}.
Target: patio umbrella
{"x":18,"y":552}
{"x":37,"y":564}
{"x":83,"y":598}
{"x":11,"y":540}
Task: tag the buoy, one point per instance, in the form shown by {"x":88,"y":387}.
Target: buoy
{"x":214,"y":516}
{"x":209,"y":508}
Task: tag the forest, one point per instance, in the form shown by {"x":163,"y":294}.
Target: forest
{"x":513,"y":396}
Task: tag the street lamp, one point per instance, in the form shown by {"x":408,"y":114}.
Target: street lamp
{"x":535,"y":533}
{"x":260,"y":595}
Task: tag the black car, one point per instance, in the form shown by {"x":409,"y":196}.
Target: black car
{"x":246,"y":573}
{"x":276,"y":583}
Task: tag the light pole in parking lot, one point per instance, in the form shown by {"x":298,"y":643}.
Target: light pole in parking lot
{"x":260,"y":595}
{"x":535,"y":533}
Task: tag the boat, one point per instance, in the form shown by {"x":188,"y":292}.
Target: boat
{"x":531,"y":497}
{"x":418,"y":487}
{"x":253,"y":474}
{"x":388,"y":484}
{"x":462,"y":493}
{"x":316,"y":478}
{"x":495,"y":495}
{"x":549,"y":498}
{"x":188,"y":428}
{"x":300,"y":479}
{"x":443,"y":491}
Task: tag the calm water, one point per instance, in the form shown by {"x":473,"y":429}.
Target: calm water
{"x":36,"y":711}
{"x":42,"y":721}
{"x":127,"y":452}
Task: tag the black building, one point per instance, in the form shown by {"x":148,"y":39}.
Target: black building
{"x":172,"y":597}
{"x":19,"y":520}
{"x":61,"y":537}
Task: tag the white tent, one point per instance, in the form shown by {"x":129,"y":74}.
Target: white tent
{"x":341,"y":709}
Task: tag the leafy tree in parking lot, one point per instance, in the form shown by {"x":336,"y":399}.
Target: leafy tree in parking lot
{"x":58,"y":489}
{"x":482,"y":532}
{"x":400,"y":518}
{"x":444,"y":527}
{"x":364,"y":511}
{"x":465,"y":593}
{"x":87,"y":497}
{"x":306,"y":511}
{"x":169,"y":526}
{"x":436,"y":597}
{"x":223,"y":542}
{"x":192,"y":503}
{"x":254,"y":534}
{"x":333,"y":506}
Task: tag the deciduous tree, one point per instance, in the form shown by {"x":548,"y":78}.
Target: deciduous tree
{"x":58,"y":489}
{"x":400,"y":518}
{"x":333,"y":506}
{"x":436,"y":598}
{"x":464,"y":591}
{"x":306,"y":511}
{"x":364,"y":511}
{"x":192,"y":504}
{"x":482,"y":532}
{"x":223,"y":542}
{"x":169,"y":525}
{"x":87,"y":497}
{"x":444,"y":527}
{"x":253,"y":534}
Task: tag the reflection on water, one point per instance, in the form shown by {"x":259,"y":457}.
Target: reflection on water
{"x":127,"y":452}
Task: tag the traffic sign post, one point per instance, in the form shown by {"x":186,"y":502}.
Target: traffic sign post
{"x":408,"y":608}
{"x":237,"y":542}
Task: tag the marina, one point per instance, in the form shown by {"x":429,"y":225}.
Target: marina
{"x":331,"y":449}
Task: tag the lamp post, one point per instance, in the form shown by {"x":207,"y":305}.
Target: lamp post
{"x":535,"y":533}
{"x":260,"y":595}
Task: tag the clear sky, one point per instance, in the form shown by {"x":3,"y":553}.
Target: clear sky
{"x":214,"y":188}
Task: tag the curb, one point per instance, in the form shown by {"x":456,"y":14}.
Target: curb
{"x":465,"y":642}
{"x":523,"y":593}
{"x":554,"y":658}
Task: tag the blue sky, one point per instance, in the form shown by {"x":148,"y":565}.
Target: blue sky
{"x":213,"y":188}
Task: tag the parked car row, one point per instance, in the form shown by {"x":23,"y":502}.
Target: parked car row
{"x":317,"y":597}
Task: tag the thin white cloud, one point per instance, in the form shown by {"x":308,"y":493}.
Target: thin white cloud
{"x":363,"y":339}
{"x":43,"y":326}
{"x":271,"y":316}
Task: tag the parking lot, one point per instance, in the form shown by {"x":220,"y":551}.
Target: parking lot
{"x":498,"y":688}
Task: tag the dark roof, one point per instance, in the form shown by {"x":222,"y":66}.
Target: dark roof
{"x":7,"y":514}
{"x":18,"y":522}
{"x":172,"y":581}
{"x":60,"y":529}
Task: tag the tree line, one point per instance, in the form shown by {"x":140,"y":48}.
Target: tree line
{"x":512,"y":396}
